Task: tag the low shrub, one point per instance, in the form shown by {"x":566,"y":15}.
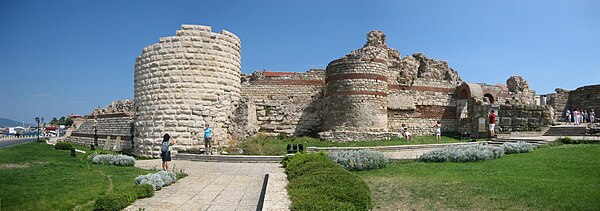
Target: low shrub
{"x":153,"y":179}
{"x":318,"y":183}
{"x":567,"y":140}
{"x":359,"y":160}
{"x":285,"y":160}
{"x":114,"y":201}
{"x":518,"y":147}
{"x":117,"y":160}
{"x":157,"y":180}
{"x":167,"y":177}
{"x":63,"y":145}
{"x":464,"y":153}
{"x":143,"y":191}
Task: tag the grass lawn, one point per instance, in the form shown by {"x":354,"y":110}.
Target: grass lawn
{"x":564,"y":177}
{"x":275,"y":146}
{"x":35,"y":176}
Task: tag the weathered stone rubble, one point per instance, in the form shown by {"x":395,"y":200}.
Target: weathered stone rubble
{"x":115,"y":107}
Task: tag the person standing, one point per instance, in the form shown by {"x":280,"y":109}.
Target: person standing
{"x":592,"y":116}
{"x":405,"y":132}
{"x":576,"y":117}
{"x":568,"y":115}
{"x":165,"y":151}
{"x":208,"y":134}
{"x":584,"y":116}
{"x":438,"y":132}
{"x":492,"y":121}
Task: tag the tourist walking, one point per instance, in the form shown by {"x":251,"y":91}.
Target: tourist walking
{"x":568,"y":115}
{"x":438,"y":132}
{"x":492,"y":121}
{"x":165,"y":150}
{"x":208,"y":135}
{"x":585,"y":116}
{"x":592,"y":116}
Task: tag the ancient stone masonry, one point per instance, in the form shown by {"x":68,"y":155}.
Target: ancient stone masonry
{"x":281,"y":103}
{"x":184,"y":82}
{"x":120,"y":106}
{"x":583,"y":98}
{"x":111,"y":126}
{"x":558,"y":101}
{"x":194,"y":78}
{"x":520,"y":88}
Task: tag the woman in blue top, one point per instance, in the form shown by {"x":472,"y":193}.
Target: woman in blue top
{"x":208,"y":133}
{"x":165,"y":150}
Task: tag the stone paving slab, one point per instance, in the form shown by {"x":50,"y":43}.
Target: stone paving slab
{"x":218,"y":186}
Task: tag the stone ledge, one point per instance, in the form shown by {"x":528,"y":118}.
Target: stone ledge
{"x":393,"y":148}
{"x":229,"y":158}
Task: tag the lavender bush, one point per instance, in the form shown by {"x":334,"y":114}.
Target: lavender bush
{"x":117,"y":160}
{"x":153,"y":179}
{"x":518,"y":147}
{"x":157,"y":180}
{"x":359,"y":160}
{"x":464,"y":153}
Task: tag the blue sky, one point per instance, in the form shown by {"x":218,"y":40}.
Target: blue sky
{"x":62,"y":57}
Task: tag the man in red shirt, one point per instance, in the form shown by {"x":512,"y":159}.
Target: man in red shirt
{"x":492,"y":117}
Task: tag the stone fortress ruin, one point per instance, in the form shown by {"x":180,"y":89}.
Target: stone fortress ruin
{"x":194,"y":78}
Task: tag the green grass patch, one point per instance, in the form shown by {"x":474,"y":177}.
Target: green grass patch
{"x":562,"y":177}
{"x":277,"y":146}
{"x":37,"y":177}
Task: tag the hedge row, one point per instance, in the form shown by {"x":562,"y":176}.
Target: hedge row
{"x":567,"y":140}
{"x":318,"y":183}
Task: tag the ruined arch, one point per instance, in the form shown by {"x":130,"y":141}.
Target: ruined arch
{"x":469,"y":91}
{"x":490,"y":97}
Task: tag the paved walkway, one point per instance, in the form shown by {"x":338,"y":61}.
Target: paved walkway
{"x":218,"y":186}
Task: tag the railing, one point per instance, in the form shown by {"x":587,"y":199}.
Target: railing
{"x":11,"y":137}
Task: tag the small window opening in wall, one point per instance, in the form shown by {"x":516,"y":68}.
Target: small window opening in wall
{"x":587,"y":97}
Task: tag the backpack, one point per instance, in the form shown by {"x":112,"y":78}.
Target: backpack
{"x":165,"y":146}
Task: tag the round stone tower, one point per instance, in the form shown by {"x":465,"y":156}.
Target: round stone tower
{"x":356,"y":89}
{"x":182,"y":83}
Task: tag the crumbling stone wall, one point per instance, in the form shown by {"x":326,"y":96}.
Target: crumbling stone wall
{"x":421,"y":106}
{"x":521,"y":92}
{"x":524,"y":117}
{"x":114,"y":131}
{"x":120,"y":106}
{"x":282,"y":103}
{"x":585,"y":98}
{"x":183,"y":82}
{"x":558,"y":101}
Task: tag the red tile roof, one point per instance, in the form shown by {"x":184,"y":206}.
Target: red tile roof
{"x":277,"y":74}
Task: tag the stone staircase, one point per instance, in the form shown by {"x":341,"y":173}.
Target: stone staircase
{"x":228,"y":158}
{"x":566,"y":131}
